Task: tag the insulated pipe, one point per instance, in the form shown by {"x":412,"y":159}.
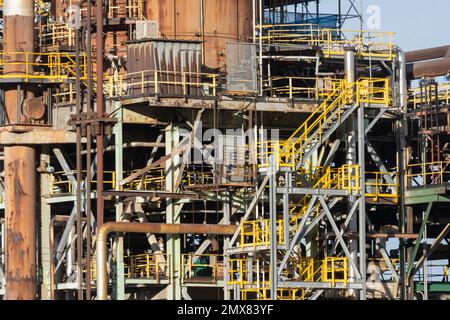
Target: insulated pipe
{"x":427,"y":54}
{"x":156,"y":228}
{"x":20,"y":161}
{"x":403,"y":88}
{"x":351,"y":159}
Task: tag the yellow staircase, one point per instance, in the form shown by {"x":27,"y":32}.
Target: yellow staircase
{"x":323,"y":122}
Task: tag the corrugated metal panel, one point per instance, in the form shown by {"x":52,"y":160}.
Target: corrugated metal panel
{"x":170,"y":59}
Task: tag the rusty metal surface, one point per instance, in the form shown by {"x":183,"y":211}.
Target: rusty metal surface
{"x":155,"y":228}
{"x":432,"y":68}
{"x":20,"y":168}
{"x":223,"y":21}
{"x":427,"y":54}
{"x":20,"y":203}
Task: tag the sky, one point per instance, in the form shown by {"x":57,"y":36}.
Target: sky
{"x":417,"y":23}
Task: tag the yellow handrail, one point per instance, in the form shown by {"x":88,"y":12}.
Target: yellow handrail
{"x":419,"y":96}
{"x":53,"y":67}
{"x":367,"y":43}
{"x":193,"y":264}
{"x":288,"y":153}
{"x":162,"y":82}
{"x":429,"y":173}
{"x":147,"y":266}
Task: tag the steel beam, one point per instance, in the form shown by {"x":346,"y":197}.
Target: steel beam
{"x":340,"y":239}
{"x":412,"y":258}
{"x":250,"y":208}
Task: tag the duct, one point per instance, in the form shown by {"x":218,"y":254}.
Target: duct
{"x":432,"y":68}
{"x":427,"y":54}
{"x":156,"y":228}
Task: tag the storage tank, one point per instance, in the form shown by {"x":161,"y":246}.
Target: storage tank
{"x":214,"y":22}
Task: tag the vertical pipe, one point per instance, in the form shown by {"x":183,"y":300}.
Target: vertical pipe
{"x":227,"y":204}
{"x":362,"y":201}
{"x":261,"y":31}
{"x":79,"y":229}
{"x":351,"y":155}
{"x":19,"y":165}
{"x":402,"y":156}
{"x":202,"y":28}
{"x":88,"y":148}
{"x":425,"y":263}
{"x":99,"y":23}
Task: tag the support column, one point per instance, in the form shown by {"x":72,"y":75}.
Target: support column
{"x":45,"y":229}
{"x":226,"y":260}
{"x":173,"y":214}
{"x":273,"y":231}
{"x":362,"y":201}
{"x":312,"y":239}
{"x":20,"y":162}
{"x":118,"y":140}
{"x":403,"y":152}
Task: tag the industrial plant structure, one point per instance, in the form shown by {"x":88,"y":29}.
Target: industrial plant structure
{"x":219,"y":149}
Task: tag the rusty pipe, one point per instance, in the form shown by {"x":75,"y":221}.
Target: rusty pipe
{"x":432,"y":68}
{"x":427,"y":54}
{"x":156,"y":228}
{"x":20,"y":162}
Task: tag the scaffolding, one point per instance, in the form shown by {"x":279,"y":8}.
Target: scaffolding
{"x":306,"y":143}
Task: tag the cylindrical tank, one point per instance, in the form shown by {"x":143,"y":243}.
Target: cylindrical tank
{"x":215,"y":22}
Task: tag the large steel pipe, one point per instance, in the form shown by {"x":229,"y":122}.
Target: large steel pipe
{"x":155,"y":228}
{"x":427,"y":54}
{"x":432,"y":68}
{"x":20,"y":169}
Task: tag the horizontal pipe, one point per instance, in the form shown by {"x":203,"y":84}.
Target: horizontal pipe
{"x":155,"y":228}
{"x":427,"y":54}
{"x":432,"y":68}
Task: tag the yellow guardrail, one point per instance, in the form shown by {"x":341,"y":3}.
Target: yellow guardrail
{"x":257,"y":233}
{"x":162,"y":82}
{"x":300,"y":87}
{"x":377,"y":187}
{"x":60,"y":183}
{"x":132,"y":9}
{"x":367,"y":43}
{"x":147,"y":266}
{"x":346,"y":178}
{"x":283,"y":294}
{"x":238,"y":272}
{"x":202,"y":267}
{"x":199,"y":178}
{"x":331,"y":269}
{"x":419,"y":96}
{"x":429,"y":173}
{"x":54,"y":67}
{"x":288,"y":153}
{"x":53,"y":33}
{"x":154,"y":179}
